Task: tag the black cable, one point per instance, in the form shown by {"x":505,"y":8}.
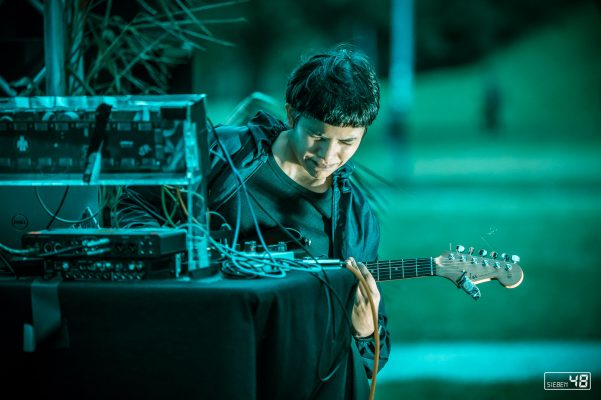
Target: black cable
{"x":244,"y":190}
{"x":67,"y":221}
{"x":139,"y":200}
{"x":97,"y":139}
{"x":61,"y":251}
{"x":58,"y":209}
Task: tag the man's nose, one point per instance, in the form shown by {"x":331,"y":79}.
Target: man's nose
{"x":327,"y":150}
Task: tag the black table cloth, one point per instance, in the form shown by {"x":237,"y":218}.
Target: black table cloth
{"x":213,"y":338}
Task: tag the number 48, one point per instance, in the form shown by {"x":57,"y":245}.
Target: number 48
{"x":579,"y":381}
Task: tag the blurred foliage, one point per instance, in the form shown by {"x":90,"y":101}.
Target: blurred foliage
{"x":130,"y":47}
{"x":129,"y":55}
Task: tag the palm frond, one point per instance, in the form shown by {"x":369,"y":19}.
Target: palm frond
{"x":162,"y":34}
{"x":193,"y":18}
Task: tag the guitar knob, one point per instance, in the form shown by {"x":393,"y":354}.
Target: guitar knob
{"x":515,"y":259}
{"x":460,"y":248}
{"x":471,"y":250}
{"x":493,"y":254}
{"x":483,"y":252}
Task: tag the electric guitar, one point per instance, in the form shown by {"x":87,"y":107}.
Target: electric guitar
{"x":465,"y":270}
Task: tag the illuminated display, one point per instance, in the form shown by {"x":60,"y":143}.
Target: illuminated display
{"x":567,"y":381}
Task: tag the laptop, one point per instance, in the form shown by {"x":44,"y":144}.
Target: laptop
{"x":22,"y":211}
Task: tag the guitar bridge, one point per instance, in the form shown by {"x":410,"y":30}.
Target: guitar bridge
{"x":468,"y":286}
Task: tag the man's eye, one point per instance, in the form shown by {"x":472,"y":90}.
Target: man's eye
{"x":347,"y":143}
{"x":316,"y":137}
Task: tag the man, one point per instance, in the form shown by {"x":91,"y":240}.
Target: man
{"x":298,"y":175}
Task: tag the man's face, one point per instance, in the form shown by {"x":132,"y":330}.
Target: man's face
{"x":322,"y":148}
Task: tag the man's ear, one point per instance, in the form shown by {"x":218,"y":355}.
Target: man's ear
{"x":289,"y":115}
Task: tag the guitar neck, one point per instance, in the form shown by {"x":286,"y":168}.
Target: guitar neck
{"x":405,"y":268}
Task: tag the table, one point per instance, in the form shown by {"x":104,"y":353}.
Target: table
{"x":212,"y":338}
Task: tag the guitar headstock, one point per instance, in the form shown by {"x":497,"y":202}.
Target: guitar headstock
{"x":479,"y":267}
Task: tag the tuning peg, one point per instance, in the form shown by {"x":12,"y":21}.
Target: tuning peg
{"x":471,"y":250}
{"x":493,"y":254}
{"x":505,"y":257}
{"x":515,"y":259}
{"x":483,"y":252}
{"x":460,"y":248}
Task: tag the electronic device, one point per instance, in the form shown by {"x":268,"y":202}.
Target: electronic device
{"x":110,"y":140}
{"x":133,"y":134}
{"x":138,"y":243}
{"x":108,"y":254}
{"x":113,"y":269}
{"x":22,"y":211}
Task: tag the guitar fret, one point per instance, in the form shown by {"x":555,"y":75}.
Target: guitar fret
{"x":408,"y":269}
{"x":401,"y":269}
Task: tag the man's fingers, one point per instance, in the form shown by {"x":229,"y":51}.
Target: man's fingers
{"x":364,"y":271}
{"x":371,"y":282}
{"x":360,"y":297}
{"x":361,"y":294}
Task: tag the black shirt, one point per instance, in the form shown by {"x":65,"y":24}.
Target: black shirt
{"x":307,"y":213}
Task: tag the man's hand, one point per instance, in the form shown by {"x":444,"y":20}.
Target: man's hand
{"x":363,"y":322}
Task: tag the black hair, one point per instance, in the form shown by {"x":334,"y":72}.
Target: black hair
{"x":338,"y":87}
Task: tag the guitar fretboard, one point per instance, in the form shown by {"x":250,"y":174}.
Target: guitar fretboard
{"x":401,"y":269}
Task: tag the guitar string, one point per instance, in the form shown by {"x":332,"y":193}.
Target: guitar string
{"x":424,"y":263}
{"x":411,"y":268}
{"x":408,"y":268}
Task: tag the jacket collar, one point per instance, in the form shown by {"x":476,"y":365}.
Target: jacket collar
{"x":265,"y":127}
